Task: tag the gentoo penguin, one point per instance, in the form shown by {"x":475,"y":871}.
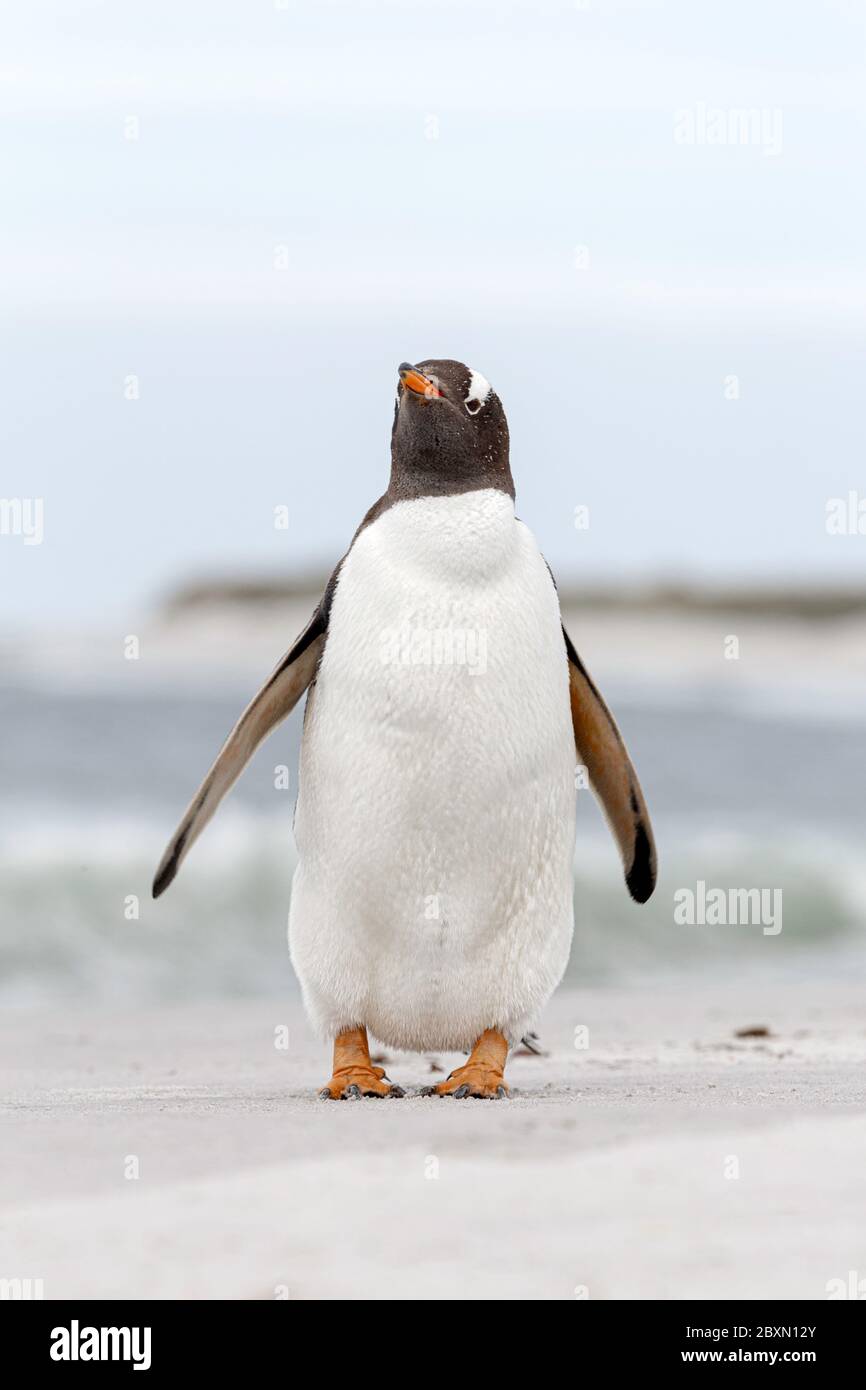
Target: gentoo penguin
{"x":447,"y":712}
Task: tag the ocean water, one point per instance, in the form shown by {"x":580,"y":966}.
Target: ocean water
{"x":94,"y":780}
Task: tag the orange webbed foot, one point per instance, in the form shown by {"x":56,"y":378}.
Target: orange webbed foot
{"x":354,"y":1074}
{"x":482,"y":1076}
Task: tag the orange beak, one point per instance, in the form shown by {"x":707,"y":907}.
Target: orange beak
{"x":416,"y":381}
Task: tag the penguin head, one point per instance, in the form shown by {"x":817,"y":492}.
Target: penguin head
{"x":450,"y":432}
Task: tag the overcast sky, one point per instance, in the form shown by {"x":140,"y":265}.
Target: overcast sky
{"x":257,"y":210}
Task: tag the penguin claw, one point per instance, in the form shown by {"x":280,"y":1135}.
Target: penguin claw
{"x":478,"y":1087}
{"x":342,"y":1087}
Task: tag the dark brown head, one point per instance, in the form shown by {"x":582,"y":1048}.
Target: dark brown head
{"x":450,"y":433}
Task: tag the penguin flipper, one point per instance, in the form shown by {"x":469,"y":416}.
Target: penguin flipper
{"x":612,"y":777}
{"x":277,"y":698}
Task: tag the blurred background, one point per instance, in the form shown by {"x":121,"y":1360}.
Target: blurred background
{"x":225,"y":224}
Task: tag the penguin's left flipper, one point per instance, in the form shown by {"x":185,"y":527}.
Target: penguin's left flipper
{"x":277,"y":698}
{"x":612,"y":777}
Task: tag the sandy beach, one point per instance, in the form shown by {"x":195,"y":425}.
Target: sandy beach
{"x":670,"y":1158}
{"x":154,"y":1142}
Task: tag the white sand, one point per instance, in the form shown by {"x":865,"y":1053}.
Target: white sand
{"x":606,"y":1171}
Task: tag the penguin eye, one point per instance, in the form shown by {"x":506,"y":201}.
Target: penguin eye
{"x":473,"y":407}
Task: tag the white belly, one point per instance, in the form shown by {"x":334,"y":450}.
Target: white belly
{"x":435,"y":817}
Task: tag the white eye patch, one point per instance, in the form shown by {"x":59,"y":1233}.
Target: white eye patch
{"x":479,"y":390}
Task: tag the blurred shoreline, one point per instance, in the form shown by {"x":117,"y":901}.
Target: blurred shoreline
{"x":759,"y":650}
{"x":818,"y":602}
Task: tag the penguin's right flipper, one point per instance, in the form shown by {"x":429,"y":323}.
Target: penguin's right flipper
{"x":277,"y":698}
